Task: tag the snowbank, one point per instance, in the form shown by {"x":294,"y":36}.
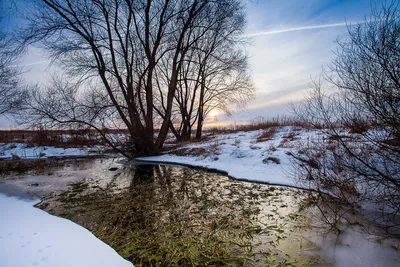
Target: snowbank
{"x":244,"y":157}
{"x":32,"y":237}
{"x":21,"y":150}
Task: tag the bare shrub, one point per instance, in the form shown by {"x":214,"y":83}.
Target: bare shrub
{"x":267,"y":135}
{"x":57,"y":138}
{"x":261,"y":124}
{"x":272,"y":159}
{"x":359,"y":92}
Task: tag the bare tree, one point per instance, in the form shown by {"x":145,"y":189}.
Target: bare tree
{"x":224,"y":81}
{"x":11,"y":90}
{"x":117,"y":46}
{"x":10,"y":97}
{"x":214,"y":72}
{"x":360,"y":91}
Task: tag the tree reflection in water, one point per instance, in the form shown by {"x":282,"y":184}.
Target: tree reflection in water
{"x":168,"y":216}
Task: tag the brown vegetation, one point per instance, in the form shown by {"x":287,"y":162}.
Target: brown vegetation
{"x":18,"y":165}
{"x":206,"y":151}
{"x":267,"y":135}
{"x":272,"y":159}
{"x":259,"y":124}
{"x":56,"y":138}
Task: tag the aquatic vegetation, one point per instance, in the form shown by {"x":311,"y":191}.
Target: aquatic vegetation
{"x":169,"y":216}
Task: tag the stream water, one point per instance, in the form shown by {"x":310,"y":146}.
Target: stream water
{"x":160,"y":215}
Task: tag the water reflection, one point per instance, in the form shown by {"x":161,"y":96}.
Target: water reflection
{"x":170,"y":216}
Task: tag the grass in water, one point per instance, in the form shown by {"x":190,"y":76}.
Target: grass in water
{"x":168,"y":216}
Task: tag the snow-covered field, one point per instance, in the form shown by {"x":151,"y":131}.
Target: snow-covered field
{"x":242,"y":156}
{"x":32,"y":237}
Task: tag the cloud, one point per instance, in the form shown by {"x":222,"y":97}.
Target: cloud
{"x":278,"y":31}
{"x":283,"y":65}
{"x":266,"y":112}
{"x":37,"y":63}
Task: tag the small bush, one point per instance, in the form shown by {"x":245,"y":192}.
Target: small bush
{"x":267,"y":135}
{"x":272,"y":159}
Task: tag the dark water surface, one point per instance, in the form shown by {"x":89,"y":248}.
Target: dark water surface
{"x":159,"y":215}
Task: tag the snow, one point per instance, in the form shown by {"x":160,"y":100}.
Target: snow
{"x":10,"y":150}
{"x":242,"y":157}
{"x":32,"y":237}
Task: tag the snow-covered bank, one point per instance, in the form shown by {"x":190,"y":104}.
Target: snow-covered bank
{"x":244,"y":155}
{"x":21,"y":150}
{"x":32,"y":237}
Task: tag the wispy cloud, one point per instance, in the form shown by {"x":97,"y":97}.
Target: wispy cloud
{"x":312,"y":27}
{"x":37,"y":63}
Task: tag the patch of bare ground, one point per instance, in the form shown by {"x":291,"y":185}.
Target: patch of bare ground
{"x":272,"y":160}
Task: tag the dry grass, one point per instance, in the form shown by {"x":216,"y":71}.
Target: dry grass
{"x":18,"y":165}
{"x":198,"y":151}
{"x":340,"y":137}
{"x":392,"y":142}
{"x":267,"y":135}
{"x":289,"y":137}
{"x":56,"y":138}
{"x":359,"y":127}
{"x":259,"y":124}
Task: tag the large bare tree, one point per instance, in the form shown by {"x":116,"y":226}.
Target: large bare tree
{"x":214,"y":72}
{"x":111,"y":51}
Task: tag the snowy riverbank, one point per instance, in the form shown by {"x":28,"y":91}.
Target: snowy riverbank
{"x":22,"y":151}
{"x":244,"y":155}
{"x":32,"y":237}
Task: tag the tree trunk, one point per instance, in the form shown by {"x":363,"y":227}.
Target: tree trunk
{"x":200,"y":118}
{"x":199,"y":126}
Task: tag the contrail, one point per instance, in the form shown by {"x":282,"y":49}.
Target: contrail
{"x":36,"y":63}
{"x":298,"y":29}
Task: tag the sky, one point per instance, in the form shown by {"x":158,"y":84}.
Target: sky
{"x":290,"y":42}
